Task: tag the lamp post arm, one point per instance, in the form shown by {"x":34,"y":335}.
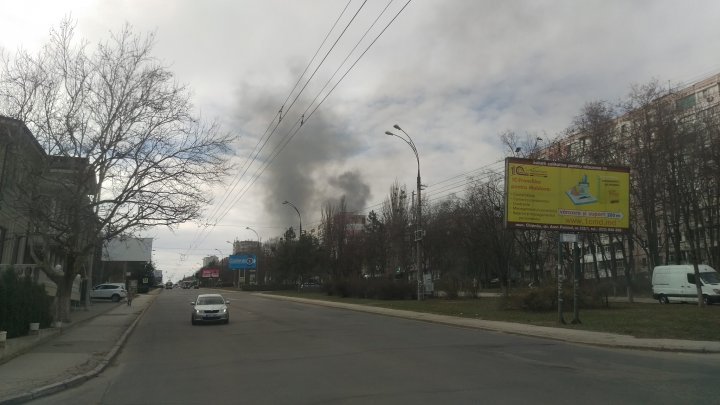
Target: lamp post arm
{"x":410,"y":143}
{"x":298,"y":212}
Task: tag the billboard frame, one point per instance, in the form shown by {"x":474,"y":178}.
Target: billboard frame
{"x":547,"y":195}
{"x":242,"y":261}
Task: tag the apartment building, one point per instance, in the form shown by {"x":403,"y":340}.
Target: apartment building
{"x":657,"y":123}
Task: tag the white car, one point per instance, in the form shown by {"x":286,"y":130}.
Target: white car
{"x":109,"y":291}
{"x":210,"y":308}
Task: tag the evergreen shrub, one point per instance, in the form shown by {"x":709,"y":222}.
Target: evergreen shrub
{"x":22,"y":302}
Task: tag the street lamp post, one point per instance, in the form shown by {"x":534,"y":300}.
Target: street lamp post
{"x":257,"y":260}
{"x":232,"y":252}
{"x":221,"y":262}
{"x":286,"y":202}
{"x":418,"y":223}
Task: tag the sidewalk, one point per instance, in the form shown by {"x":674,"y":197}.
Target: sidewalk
{"x":57,"y":359}
{"x":562,"y":334}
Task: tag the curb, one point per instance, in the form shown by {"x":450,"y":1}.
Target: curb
{"x":80,"y":379}
{"x":592,"y":338}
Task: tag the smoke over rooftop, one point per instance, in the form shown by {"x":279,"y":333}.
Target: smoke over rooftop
{"x":309,"y":171}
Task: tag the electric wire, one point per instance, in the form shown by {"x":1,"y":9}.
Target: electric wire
{"x":212,"y":219}
{"x":277,"y":118}
{"x":261,"y":169}
{"x":292,"y":133}
{"x":298,"y":124}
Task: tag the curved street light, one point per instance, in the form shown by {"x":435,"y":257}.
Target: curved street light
{"x":418,"y":223}
{"x":222,"y":255}
{"x":232,"y":252}
{"x":257,"y":260}
{"x":286,"y":202}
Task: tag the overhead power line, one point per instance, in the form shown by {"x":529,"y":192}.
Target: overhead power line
{"x":223,"y":208}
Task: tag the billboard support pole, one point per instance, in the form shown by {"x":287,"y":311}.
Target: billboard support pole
{"x":559,"y":280}
{"x":576,"y":284}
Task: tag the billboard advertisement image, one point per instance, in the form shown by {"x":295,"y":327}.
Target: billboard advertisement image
{"x":568,"y":197}
{"x":242,"y":262}
{"x":210,"y":273}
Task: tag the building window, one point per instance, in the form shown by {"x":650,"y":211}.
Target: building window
{"x":686,"y":102}
{"x":710,"y":93}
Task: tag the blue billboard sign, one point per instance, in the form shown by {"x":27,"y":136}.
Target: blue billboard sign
{"x":242,"y":262}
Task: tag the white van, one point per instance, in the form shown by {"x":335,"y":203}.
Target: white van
{"x":676,"y":283}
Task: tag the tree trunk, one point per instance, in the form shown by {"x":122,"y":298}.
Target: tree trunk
{"x":593,"y":250}
{"x":629,"y":266}
{"x":62,"y":300}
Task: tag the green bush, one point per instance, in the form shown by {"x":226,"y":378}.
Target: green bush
{"x":22,"y":302}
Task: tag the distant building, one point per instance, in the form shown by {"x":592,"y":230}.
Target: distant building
{"x":354,"y":224}
{"x":158,"y":276}
{"x":123,"y":255}
{"x":683,"y":105}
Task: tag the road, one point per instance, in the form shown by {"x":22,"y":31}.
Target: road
{"x":277,"y":352}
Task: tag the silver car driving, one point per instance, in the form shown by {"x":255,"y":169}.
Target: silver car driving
{"x":210,"y":308}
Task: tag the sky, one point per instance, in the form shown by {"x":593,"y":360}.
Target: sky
{"x":454,"y":74}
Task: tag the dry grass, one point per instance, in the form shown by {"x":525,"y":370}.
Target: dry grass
{"x":674,"y":321}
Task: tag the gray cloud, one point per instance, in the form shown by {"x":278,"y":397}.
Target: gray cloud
{"x":454,"y":74}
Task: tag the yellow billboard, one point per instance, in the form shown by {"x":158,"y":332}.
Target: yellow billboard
{"x":568,"y":197}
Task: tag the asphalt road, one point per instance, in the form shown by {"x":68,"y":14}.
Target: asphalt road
{"x":278,"y":352}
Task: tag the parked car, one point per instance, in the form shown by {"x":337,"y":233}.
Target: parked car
{"x":109,"y":291}
{"x":676,"y":283}
{"x":210,"y":308}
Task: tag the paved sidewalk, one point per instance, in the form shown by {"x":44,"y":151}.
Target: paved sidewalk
{"x":563,"y":334}
{"x":66,"y":358}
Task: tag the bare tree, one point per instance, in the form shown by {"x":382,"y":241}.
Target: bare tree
{"x":130,"y":149}
{"x":484,"y":201}
{"x":376,"y":247}
{"x":396,"y":217}
{"x":443,"y":253}
{"x":647,"y":118}
{"x":692,"y":165}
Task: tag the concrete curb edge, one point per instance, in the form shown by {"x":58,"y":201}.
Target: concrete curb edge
{"x":51,"y":334}
{"x":81,"y":378}
{"x":600,"y":339}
